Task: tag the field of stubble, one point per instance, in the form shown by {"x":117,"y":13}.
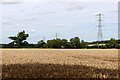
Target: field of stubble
{"x":59,"y":63}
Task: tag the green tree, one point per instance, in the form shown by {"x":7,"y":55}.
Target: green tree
{"x":19,"y":40}
{"x":112,"y":43}
{"x":68,"y":45}
{"x":50,"y":43}
{"x":75,"y":42}
{"x":64,"y":42}
{"x":55,"y":43}
{"x":45,"y":46}
{"x":41,"y":44}
{"x":10,"y":45}
{"x":84,"y":44}
{"x":58,"y":43}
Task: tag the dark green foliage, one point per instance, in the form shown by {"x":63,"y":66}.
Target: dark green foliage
{"x":19,"y":40}
{"x":100,"y":42}
{"x":112,"y":43}
{"x":10,"y":45}
{"x":55,"y":43}
{"x":103,"y":47}
{"x":64,"y":42}
{"x":45,"y":45}
{"x":84,"y":44}
{"x":68,"y":45}
{"x":31,"y":45}
{"x":40,"y":44}
{"x":51,"y":43}
{"x":75,"y":42}
{"x":58,"y":43}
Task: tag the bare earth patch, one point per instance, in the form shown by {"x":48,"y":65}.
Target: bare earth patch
{"x":59,"y":63}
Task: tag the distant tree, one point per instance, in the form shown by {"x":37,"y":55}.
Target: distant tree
{"x":32,"y":46}
{"x":19,"y":40}
{"x":50,"y":43}
{"x":55,"y":43}
{"x":41,"y":44}
{"x":64,"y":42}
{"x":119,"y":41}
{"x":45,"y":46}
{"x":68,"y":45}
{"x":112,"y":43}
{"x":84,"y":44}
{"x":25,"y":44}
{"x":75,"y":42}
{"x":58,"y":43}
{"x":10,"y":45}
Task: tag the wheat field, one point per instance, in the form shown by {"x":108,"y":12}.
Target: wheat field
{"x":59,"y":63}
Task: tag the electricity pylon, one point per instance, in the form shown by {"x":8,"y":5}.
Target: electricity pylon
{"x":100,"y":35}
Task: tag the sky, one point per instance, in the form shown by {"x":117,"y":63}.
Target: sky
{"x":67,"y":19}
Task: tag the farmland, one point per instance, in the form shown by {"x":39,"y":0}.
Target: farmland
{"x":59,"y":63}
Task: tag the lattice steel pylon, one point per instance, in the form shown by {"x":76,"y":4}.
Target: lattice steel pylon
{"x":100,"y":35}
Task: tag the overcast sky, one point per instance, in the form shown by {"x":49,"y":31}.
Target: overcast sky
{"x":68,"y":19}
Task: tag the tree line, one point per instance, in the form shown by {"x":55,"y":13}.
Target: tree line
{"x":20,"y":41}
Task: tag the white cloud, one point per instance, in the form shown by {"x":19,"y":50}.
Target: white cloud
{"x":100,"y":0}
{"x":40,"y":23}
{"x":18,"y":25}
{"x":59,"y":25}
{"x":31,"y":18}
{"x":74,"y":0}
{"x":75,"y":6}
{"x":77,"y":22}
{"x":32,"y":30}
{"x":47,"y":12}
{"x":15,"y":1}
{"x":10,"y":1}
{"x":81,"y":21}
{"x":7,"y":22}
